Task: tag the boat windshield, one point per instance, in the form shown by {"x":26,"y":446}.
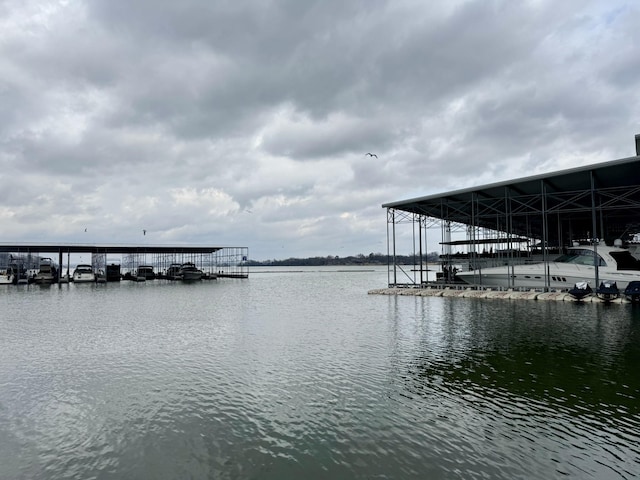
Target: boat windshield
{"x":581,"y":256}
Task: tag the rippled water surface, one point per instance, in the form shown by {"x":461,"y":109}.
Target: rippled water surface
{"x":301,"y":374}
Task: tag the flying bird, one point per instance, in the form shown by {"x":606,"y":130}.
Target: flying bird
{"x":371,"y":155}
{"x":85,"y":229}
{"x":144,"y":232}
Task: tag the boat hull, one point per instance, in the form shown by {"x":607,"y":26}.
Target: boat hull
{"x":44,"y":279}
{"x":84,"y":278}
{"x":190,"y":273}
{"x":84,"y":274}
{"x":191,"y":276}
{"x":608,"y":291}
{"x":580,"y":291}
{"x":560,"y":276}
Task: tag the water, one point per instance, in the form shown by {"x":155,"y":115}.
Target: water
{"x":300,"y":374}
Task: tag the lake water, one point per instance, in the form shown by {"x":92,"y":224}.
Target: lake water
{"x":299,"y":373}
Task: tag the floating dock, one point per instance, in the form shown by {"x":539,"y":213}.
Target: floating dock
{"x":471,"y":292}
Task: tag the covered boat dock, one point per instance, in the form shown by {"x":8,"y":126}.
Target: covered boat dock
{"x":514,"y":220}
{"x":218,"y":261}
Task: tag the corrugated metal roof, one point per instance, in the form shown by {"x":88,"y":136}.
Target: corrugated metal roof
{"x":567,"y":197}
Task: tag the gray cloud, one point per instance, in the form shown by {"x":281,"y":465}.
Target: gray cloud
{"x":181,"y":118}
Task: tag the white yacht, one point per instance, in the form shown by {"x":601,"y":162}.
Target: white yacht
{"x":615,"y":264}
{"x":84,"y":274}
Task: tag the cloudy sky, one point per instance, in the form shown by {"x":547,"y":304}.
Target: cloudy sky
{"x":246,"y":123}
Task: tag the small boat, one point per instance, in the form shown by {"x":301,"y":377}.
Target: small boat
{"x":20,"y":274}
{"x":7,"y":276}
{"x":84,"y":274}
{"x":580,"y":290}
{"x":607,"y":291}
{"x":632,"y":292}
{"x":14,"y":274}
{"x":113,"y":272}
{"x":138,"y":278}
{"x":190,"y":273}
{"x":146,"y":271}
{"x":47,"y":274}
{"x":174,"y":272}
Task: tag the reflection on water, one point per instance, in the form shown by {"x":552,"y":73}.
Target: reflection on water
{"x":300,"y":373}
{"x":549,"y":382}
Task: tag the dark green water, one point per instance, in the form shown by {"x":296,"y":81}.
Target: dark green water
{"x":303,"y":375}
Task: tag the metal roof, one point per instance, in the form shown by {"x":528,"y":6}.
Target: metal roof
{"x":105,"y":248}
{"x":564,"y":197}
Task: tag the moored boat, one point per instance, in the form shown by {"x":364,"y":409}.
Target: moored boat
{"x":20,"y":274}
{"x":146,"y":271}
{"x":607,"y":291}
{"x":48,"y":272}
{"x":7,"y":276}
{"x":577,"y":265}
{"x":174,"y":272}
{"x":113,"y":272}
{"x":83,"y":273}
{"x":580,"y":291}
{"x":190,"y":273}
{"x":632,"y":292}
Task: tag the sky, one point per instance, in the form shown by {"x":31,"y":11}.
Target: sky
{"x":247,"y":123}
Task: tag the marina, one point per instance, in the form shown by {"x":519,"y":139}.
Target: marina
{"x":36,"y":263}
{"x":544,"y":233}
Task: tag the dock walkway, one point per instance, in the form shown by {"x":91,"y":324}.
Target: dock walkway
{"x":470,"y":292}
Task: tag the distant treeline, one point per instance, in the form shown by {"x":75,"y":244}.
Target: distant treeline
{"x":360,"y":259}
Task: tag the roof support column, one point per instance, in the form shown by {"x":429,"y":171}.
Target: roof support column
{"x":593,"y":226}
{"x":59,"y":273}
{"x":545,"y":235}
{"x":413,"y":239}
{"x":509,"y":227}
{"x":420,"y":245}
{"x":474,"y":238}
{"x":391,"y":218}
